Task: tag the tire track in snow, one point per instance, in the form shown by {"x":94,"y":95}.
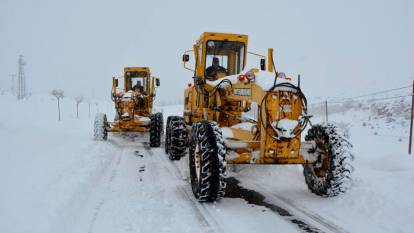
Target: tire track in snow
{"x":199,"y":208}
{"x":113,"y":166}
{"x":123,"y":144}
{"x":288,"y":204}
{"x":205,"y":212}
{"x":234,"y":190}
{"x":81,"y":196}
{"x":206,"y":220}
{"x":95,"y":216}
{"x":200,"y":215}
{"x":306,"y":222}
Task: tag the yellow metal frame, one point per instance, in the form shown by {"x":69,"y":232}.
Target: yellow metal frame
{"x":198,"y":107}
{"x":136,"y":108}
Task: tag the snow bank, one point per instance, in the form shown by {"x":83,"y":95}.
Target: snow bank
{"x":44,"y":162}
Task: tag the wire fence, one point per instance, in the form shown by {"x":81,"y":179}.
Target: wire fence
{"x":391,"y":106}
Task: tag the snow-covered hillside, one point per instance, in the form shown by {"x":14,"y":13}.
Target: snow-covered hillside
{"x":55,"y":178}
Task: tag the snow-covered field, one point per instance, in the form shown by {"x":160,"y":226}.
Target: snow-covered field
{"x":55,"y":178}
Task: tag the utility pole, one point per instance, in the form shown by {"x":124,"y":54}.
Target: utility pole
{"x":326,"y":110}
{"x":21,"y":79}
{"x":411,"y":122}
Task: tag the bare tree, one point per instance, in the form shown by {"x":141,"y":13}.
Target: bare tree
{"x":89,"y":101}
{"x":13,"y":84}
{"x":59,"y":94}
{"x":78,"y":100}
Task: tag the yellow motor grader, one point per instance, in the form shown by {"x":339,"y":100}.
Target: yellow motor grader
{"x":134,"y":106}
{"x":239,"y":115}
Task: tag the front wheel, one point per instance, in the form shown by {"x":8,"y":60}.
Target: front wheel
{"x":99,"y":131}
{"x":207,"y":161}
{"x":175,"y":137}
{"x":156,"y":129}
{"x":331,"y":174}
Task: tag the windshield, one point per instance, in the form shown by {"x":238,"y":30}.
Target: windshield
{"x":223,"y":58}
{"x":136,"y":81}
{"x":139,"y":84}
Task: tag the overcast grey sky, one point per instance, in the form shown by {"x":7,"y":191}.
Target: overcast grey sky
{"x":339,"y":47}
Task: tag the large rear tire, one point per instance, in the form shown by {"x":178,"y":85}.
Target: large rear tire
{"x":176,"y":137}
{"x":167,"y":137}
{"x":207,"y":161}
{"x":156,"y":129}
{"x":100,"y":132}
{"x":331,"y":174}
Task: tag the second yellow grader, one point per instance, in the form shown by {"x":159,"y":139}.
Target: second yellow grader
{"x":133,"y":107}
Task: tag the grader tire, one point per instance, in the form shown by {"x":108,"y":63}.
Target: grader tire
{"x":175,"y":138}
{"x":332,"y":175}
{"x":100,"y":132}
{"x":167,"y":137}
{"x":207,"y":162}
{"x":156,"y":128}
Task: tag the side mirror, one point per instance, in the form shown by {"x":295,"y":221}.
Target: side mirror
{"x":263,"y":64}
{"x":186,"y":58}
{"x":157,"y":82}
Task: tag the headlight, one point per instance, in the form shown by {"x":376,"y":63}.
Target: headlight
{"x":250,"y":76}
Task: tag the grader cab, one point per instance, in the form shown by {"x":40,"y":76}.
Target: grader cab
{"x":133,"y":106}
{"x":239,"y":115}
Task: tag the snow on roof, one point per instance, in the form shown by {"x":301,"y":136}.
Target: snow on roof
{"x":266,"y":79}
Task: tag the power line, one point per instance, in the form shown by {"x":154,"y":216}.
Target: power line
{"x":376,"y":93}
{"x":392,"y":97}
{"x":391,"y":136}
{"x":376,"y":99}
{"x":342,"y":100}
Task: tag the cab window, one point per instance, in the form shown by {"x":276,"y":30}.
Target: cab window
{"x":136,"y":81}
{"x":138,"y":84}
{"x":223,"y":58}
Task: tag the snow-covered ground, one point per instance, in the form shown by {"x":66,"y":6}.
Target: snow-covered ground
{"x":55,"y":178}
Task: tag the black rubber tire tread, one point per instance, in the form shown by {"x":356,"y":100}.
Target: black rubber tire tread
{"x":167,"y":135}
{"x":156,"y":129}
{"x":100,"y":123}
{"x":176,"y":138}
{"x":211,"y":185}
{"x":338,"y":176}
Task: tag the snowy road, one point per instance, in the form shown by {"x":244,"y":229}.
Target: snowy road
{"x":61,"y":180}
{"x":142,"y":191}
